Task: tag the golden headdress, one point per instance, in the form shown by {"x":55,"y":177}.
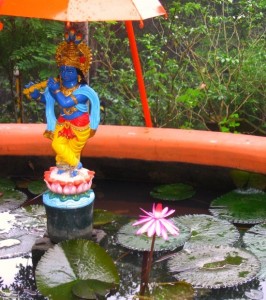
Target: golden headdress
{"x":74,"y":52}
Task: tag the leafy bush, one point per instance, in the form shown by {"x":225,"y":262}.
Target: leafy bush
{"x":203,"y":67}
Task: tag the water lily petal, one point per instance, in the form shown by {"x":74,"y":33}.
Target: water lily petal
{"x":144,"y":220}
{"x":164,"y":211}
{"x":169,"y":226}
{"x":152,"y":229}
{"x":145,"y":227}
{"x":170,"y":212}
{"x":158,"y":228}
{"x":147,"y":213}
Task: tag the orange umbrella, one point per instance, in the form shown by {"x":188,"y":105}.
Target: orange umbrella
{"x":83,"y":10}
{"x":93,"y":10}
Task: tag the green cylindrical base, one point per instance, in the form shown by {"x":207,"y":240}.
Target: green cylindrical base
{"x":69,"y":223}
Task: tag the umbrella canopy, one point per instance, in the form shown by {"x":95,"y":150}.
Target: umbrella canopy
{"x":83,"y":10}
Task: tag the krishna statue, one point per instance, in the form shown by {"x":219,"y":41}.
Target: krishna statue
{"x":69,"y":184}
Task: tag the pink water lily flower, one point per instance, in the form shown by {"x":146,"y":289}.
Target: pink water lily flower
{"x":155,"y":222}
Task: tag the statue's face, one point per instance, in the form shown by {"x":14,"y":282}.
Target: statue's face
{"x":68,"y":74}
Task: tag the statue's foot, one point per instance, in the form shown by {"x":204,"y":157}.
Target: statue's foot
{"x":61,"y":171}
{"x":75,"y":172}
{"x":62,"y":168}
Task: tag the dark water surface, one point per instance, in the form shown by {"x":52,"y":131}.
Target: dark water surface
{"x":124,"y":197}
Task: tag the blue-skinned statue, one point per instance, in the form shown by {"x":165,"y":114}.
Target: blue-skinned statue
{"x":69,"y":199}
{"x":78,"y":103}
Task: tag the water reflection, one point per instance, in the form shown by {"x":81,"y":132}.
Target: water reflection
{"x":17,"y":279}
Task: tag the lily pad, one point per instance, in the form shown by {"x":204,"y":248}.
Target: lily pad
{"x":208,"y":230}
{"x":102,"y":217}
{"x":174,"y":192}
{"x":37,"y":187}
{"x":11,"y":199}
{"x":16,"y":243}
{"x":173,"y":291}
{"x":69,"y":262}
{"x":20,"y":229}
{"x":240,"y":178}
{"x":90,"y":289}
{"x":6,"y":222}
{"x":127,"y":237}
{"x":246,"y":180}
{"x":31,"y":218}
{"x":7,"y":184}
{"x":255,"y":241}
{"x":241,"y":206}
{"x":214,"y":267}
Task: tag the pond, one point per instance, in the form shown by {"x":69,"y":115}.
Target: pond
{"x":124,"y":199}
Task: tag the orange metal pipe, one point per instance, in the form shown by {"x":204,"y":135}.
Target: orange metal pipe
{"x":230,"y":150}
{"x":138,"y":71}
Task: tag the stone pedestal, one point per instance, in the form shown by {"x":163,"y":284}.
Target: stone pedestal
{"x":69,"y":217}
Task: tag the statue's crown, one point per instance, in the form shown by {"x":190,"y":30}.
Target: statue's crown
{"x":74,"y":52}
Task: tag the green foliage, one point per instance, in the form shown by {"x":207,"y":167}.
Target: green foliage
{"x":29,"y":45}
{"x":174,"y":192}
{"x":88,"y":270}
{"x":203,"y":65}
{"x":172,"y":291}
{"x":244,"y":207}
{"x":37,"y":187}
{"x":112,"y":74}
{"x":246,"y":180}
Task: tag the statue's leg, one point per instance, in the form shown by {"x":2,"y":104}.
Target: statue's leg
{"x":77,"y":146}
{"x":64,"y":153}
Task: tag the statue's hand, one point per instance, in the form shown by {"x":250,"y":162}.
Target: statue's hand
{"x":35,"y":94}
{"x":53,"y":85}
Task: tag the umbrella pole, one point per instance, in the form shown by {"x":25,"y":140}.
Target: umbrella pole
{"x":138,"y":71}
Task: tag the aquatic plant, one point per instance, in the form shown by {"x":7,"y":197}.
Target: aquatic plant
{"x":76,"y":267}
{"x":246,"y":180}
{"x":154,"y":224}
{"x":174,"y":192}
{"x":255,"y":241}
{"x":37,"y":187}
{"x":11,"y":199}
{"x":214,"y":267}
{"x":241,"y":206}
{"x":206,"y":229}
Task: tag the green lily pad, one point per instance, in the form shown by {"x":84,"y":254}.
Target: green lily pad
{"x":11,"y":199}
{"x":214,"y":267}
{"x":37,"y":187}
{"x":255,"y":241}
{"x":209,"y":230}
{"x":173,"y":291}
{"x":240,"y":178}
{"x":32,"y":218}
{"x":90,"y":289}
{"x":127,"y":237}
{"x":245,"y":180}
{"x":102,"y":217}
{"x":257,"y":181}
{"x":6,"y":184}
{"x":16,"y":242}
{"x":66,"y":264}
{"x":174,"y":192}
{"x":238,"y":206}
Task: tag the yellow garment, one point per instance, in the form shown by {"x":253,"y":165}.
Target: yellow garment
{"x":68,"y":150}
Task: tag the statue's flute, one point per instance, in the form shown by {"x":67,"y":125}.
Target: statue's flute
{"x":37,"y":86}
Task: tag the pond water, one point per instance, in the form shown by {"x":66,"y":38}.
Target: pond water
{"x":126,"y":198}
